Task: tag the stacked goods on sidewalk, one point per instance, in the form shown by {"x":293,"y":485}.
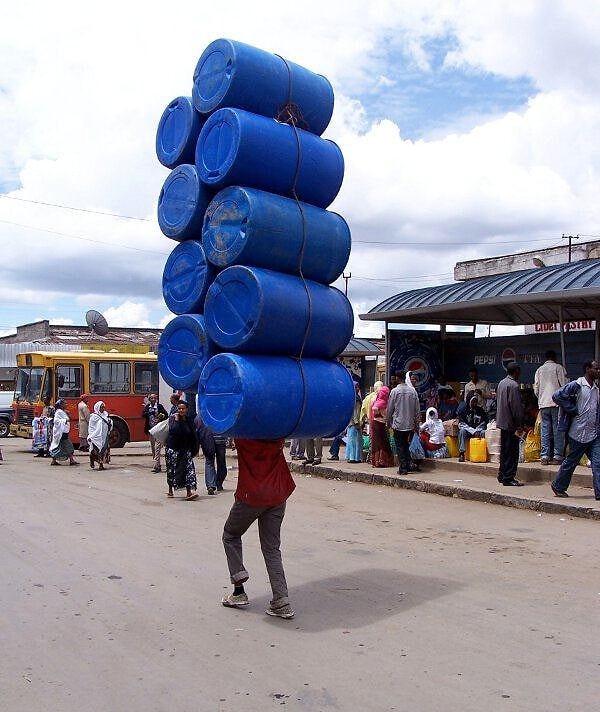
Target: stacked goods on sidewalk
{"x":258,"y":326}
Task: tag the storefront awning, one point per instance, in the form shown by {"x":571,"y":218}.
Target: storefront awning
{"x":533,"y":296}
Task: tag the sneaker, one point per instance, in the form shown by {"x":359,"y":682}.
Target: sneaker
{"x":211,"y":490}
{"x":284,"y":611}
{"x":558,"y":493}
{"x":316,"y":461}
{"x":545,"y":461}
{"x":238,"y":601}
{"x":556,"y":461}
{"x":308,"y":462}
{"x":156,"y":469}
{"x":333,"y":457}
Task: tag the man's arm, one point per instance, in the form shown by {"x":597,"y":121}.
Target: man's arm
{"x":390,"y":408}
{"x":417,"y":411}
{"x":536,"y":382}
{"x":515,"y":405}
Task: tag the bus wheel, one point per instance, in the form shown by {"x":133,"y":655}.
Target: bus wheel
{"x":119,"y":435}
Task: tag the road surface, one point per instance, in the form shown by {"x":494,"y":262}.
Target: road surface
{"x":109,"y":600}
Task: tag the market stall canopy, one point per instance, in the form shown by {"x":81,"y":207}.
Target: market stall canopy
{"x":531,"y":296}
{"x":361,"y":347}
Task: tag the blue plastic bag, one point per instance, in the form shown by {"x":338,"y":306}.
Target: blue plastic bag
{"x":416,"y":448}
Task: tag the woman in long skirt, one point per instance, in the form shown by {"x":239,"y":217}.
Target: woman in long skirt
{"x":39,"y":426}
{"x":99,"y":427}
{"x":381,"y":451}
{"x":181,"y":448}
{"x":354,"y":434}
{"x":61,"y":447}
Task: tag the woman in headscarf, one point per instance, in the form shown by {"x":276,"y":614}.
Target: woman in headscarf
{"x":354,"y":433}
{"x":365,"y":410}
{"x":381,"y":451}
{"x":39,"y":426}
{"x":99,"y":427}
{"x":433,"y":435}
{"x":180,"y":449}
{"x":61,"y":447}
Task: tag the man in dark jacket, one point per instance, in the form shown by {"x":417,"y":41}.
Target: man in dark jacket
{"x":509,"y":419}
{"x":264,"y":485}
{"x":579,"y":402}
{"x":472,"y":422}
{"x":152,"y":414}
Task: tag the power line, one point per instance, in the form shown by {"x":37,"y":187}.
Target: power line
{"x":84,"y":239}
{"x":71,"y":207}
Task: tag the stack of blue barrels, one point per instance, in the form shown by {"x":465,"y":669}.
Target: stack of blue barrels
{"x":257,"y":327}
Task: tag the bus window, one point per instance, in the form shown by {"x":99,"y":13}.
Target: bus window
{"x":146,"y":378}
{"x":68,"y":381}
{"x":109,"y":377}
{"x":47,"y":387}
{"x":29,"y":383}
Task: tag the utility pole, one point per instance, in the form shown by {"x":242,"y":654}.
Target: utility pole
{"x":346,"y":277}
{"x":570,"y":238}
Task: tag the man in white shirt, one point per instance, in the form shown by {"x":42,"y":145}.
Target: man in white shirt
{"x":477,"y":387}
{"x":549,"y":377}
{"x":581,"y":399}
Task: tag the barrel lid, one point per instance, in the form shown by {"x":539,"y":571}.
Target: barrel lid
{"x":225,"y":226}
{"x":178,"y":201}
{"x":183,"y":350}
{"x":217,"y":145}
{"x":186,"y":278}
{"x":177,"y":131}
{"x":233,"y":306}
{"x":220,"y":392}
{"x":213,"y":75}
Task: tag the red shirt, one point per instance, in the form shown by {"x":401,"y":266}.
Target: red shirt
{"x":264,"y":478}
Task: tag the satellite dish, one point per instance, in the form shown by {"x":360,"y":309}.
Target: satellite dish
{"x":96,"y":322}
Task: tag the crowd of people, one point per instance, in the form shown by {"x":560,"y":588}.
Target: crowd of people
{"x":395,"y":425}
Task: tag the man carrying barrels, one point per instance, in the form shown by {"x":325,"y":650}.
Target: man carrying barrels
{"x":264,"y":485}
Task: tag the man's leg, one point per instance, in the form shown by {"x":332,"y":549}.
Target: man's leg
{"x":334,"y":449}
{"x":310,"y":449}
{"x":594,"y":455}
{"x":221,"y":457}
{"x":158,"y":446}
{"x":239,"y":520}
{"x":513,"y":457}
{"x":504,"y":455}
{"x":565,"y":471}
{"x":152,"y":443}
{"x":318,"y":450}
{"x":559,"y":437}
{"x":463,"y":437}
{"x":546,"y":450}
{"x":269,"y":530}
{"x":210,"y":474}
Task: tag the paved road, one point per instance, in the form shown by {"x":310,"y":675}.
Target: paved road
{"x":109,"y":601}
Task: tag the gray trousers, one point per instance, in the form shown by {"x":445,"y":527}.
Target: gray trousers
{"x":239,"y":521}
{"x":314,"y":448}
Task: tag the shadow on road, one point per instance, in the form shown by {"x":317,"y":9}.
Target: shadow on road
{"x":359,"y":598}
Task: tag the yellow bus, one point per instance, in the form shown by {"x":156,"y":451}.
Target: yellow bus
{"x":122,"y":380}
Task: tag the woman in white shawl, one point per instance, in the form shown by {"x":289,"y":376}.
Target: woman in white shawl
{"x":99,"y":429}
{"x":61,"y":447}
{"x":433,"y":435}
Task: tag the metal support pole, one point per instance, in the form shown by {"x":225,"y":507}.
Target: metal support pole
{"x":443,"y":339}
{"x":562,"y":336}
{"x":597,"y":340}
{"x":387,"y":354}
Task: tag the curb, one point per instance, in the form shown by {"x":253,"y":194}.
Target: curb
{"x":445,"y":490}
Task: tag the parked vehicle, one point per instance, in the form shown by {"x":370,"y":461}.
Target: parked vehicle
{"x":6,"y":399}
{"x":122,"y":380}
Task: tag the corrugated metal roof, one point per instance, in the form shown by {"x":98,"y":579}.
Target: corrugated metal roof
{"x":525,"y":297}
{"x":8,"y":352}
{"x":361,"y":347}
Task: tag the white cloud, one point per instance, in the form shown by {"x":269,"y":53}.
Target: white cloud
{"x":79,"y":124}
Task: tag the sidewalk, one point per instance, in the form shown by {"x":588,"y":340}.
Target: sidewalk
{"x":473,"y":481}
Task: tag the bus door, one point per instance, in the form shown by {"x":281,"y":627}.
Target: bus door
{"x":69,"y":386}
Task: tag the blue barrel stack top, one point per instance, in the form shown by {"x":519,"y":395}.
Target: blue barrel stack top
{"x":258,"y":326}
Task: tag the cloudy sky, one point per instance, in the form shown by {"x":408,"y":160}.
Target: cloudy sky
{"x":468,"y":128}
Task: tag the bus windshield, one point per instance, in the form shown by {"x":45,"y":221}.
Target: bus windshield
{"x":29,"y":384}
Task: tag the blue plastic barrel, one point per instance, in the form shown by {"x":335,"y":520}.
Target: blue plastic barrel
{"x":186,"y":278}
{"x":250,"y":227}
{"x":235,"y":74}
{"x":236,"y":147}
{"x":177,"y":133}
{"x":182,"y":203}
{"x":183,"y":350}
{"x":256,"y":310}
{"x":269,"y":397}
